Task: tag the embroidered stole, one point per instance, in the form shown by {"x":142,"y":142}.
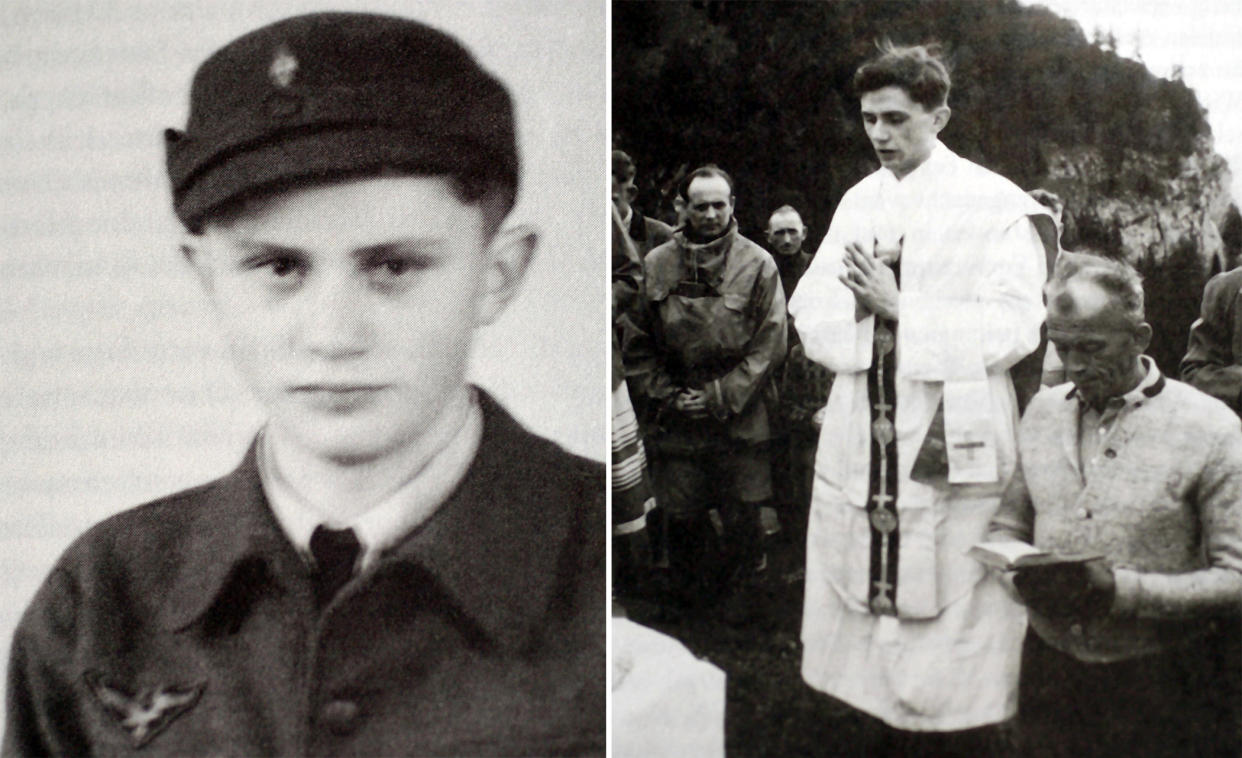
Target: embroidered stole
{"x":882,"y":487}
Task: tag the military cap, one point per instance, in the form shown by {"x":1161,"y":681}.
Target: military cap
{"x":333,"y":94}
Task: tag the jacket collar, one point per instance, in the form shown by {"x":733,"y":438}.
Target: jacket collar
{"x":706,"y":261}
{"x":229,"y":523}
{"x":493,"y":545}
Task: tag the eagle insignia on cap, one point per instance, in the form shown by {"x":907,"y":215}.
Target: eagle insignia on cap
{"x":283,"y":67}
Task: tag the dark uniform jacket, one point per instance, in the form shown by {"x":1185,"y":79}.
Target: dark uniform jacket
{"x":804,"y":384}
{"x":713,"y":319}
{"x":1213,"y":361}
{"x":791,"y":268}
{"x":647,"y":233}
{"x":188,"y":626}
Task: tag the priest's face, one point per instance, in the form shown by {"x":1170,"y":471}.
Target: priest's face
{"x":902,"y":131}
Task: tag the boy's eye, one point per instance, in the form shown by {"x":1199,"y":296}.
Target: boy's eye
{"x":279,"y":265}
{"x":399,"y":265}
{"x":283,"y":266}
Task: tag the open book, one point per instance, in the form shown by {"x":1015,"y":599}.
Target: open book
{"x":1011,"y":554}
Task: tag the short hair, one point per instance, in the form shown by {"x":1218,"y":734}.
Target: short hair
{"x":917,"y":69}
{"x":785,"y":209}
{"x":623,"y":168}
{"x":1116,"y":278}
{"x":703,"y":172}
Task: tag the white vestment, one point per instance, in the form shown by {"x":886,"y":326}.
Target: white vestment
{"x":972,"y":269}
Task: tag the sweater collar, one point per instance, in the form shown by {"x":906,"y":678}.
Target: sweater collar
{"x":1152,"y":384}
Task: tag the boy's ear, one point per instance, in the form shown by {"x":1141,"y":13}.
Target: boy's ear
{"x":508,"y":258}
{"x":192,"y":250}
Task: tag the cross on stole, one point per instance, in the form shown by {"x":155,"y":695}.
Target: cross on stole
{"x":969,"y":448}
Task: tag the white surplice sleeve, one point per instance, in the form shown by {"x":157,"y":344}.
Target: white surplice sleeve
{"x":993,"y":327}
{"x":823,"y":308}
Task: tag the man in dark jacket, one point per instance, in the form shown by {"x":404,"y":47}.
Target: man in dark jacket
{"x":645,"y":232}
{"x":786,"y":234}
{"x":1213,"y":361}
{"x":397,"y":567}
{"x":804,"y":386}
{"x":701,"y":367}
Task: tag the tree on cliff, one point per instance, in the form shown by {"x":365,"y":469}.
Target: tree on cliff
{"x":762,"y":89}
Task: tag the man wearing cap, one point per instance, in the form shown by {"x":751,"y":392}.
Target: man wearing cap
{"x":382,"y":574}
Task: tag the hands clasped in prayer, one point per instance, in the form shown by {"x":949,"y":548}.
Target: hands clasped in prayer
{"x":692,"y":402}
{"x":871,"y":280}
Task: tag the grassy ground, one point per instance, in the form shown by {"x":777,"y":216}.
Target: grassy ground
{"x":769,"y":710}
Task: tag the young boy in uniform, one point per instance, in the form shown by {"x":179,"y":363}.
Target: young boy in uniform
{"x":397,"y":567}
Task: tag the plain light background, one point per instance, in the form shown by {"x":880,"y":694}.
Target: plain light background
{"x":116,"y":387}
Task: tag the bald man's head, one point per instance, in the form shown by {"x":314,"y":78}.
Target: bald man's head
{"x":786,"y":232}
{"x":1095,"y":323}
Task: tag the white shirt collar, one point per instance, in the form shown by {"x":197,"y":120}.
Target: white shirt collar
{"x":898,"y":201}
{"x":383,"y":526}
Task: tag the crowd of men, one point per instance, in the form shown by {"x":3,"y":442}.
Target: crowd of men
{"x":883,"y":396}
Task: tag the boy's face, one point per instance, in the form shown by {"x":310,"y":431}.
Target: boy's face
{"x":350,"y":307}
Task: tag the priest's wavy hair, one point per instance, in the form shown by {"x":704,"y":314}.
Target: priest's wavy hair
{"x":917,"y":69}
{"x":1117,"y":278}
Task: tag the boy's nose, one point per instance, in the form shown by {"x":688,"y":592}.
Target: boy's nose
{"x":335,"y":323}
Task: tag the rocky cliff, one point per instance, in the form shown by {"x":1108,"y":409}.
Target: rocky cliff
{"x":1149,"y":207}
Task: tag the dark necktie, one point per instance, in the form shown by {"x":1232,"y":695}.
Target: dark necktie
{"x":335,"y":552}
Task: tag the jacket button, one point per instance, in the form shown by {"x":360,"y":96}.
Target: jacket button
{"x":340,"y":716}
{"x":1110,"y":453}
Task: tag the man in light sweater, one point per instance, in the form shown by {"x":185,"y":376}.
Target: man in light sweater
{"x":1145,"y":472}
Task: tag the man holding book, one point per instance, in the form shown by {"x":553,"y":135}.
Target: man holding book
{"x":1122,"y":656}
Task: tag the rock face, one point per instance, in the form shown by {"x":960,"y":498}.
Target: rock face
{"x":1150,"y":206}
